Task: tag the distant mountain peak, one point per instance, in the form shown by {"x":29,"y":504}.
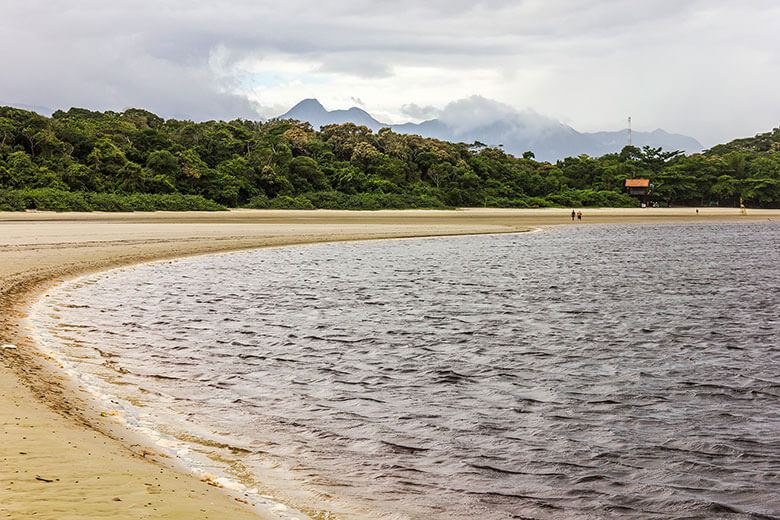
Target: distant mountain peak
{"x":309,"y":103}
{"x":306,"y":110}
{"x":311,"y":111}
{"x":480,"y":119}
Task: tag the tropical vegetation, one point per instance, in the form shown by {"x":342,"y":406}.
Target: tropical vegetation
{"x":137,"y":161}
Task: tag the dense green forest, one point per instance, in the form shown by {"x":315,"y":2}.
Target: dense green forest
{"x":135,"y":160}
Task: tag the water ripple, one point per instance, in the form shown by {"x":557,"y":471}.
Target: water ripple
{"x":600,"y":371}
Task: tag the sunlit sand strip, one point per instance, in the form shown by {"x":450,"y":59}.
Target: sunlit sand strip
{"x":63,"y":460}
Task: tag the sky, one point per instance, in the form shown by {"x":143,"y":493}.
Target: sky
{"x":705,"y":68}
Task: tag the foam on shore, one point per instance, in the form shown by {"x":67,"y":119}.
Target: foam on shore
{"x":84,"y":464}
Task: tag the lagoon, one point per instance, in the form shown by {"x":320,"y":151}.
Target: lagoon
{"x":626,"y":370}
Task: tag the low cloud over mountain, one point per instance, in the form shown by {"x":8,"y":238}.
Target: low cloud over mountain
{"x":479,"y":119}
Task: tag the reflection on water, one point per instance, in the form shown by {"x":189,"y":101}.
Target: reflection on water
{"x":618,"y":371}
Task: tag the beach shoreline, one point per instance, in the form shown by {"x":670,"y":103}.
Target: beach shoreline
{"x":61,"y":458}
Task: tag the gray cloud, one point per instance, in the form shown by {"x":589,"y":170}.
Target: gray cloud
{"x":476,"y":111}
{"x":669,"y":63}
{"x":415,"y":111}
{"x":358,"y":66}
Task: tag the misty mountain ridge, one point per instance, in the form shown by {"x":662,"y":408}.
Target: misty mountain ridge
{"x":312,"y":111}
{"x":493,"y":123}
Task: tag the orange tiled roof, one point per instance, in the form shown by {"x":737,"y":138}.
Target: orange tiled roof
{"x":637,"y":183}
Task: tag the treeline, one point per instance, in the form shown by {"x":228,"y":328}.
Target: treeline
{"x":135,"y":160}
{"x":59,"y":200}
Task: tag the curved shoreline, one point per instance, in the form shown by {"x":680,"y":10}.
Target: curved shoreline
{"x":138,"y":440}
{"x":85,"y":465}
{"x":63,"y":460}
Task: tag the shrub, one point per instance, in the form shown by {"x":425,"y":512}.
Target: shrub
{"x":339,"y":200}
{"x":47,"y":199}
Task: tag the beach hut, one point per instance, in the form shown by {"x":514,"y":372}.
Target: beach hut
{"x":639,"y":188}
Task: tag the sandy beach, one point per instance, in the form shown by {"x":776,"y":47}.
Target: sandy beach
{"x":59,"y":457}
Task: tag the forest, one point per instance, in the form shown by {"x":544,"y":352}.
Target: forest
{"x":83,"y":160}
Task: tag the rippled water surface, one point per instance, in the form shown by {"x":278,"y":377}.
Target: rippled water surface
{"x":587,"y":371}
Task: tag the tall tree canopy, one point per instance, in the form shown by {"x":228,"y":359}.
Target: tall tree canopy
{"x":289,"y":164}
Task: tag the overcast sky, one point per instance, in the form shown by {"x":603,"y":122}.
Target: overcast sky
{"x":709,"y":68}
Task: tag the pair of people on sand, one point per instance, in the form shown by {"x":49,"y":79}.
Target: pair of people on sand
{"x":578,"y":215}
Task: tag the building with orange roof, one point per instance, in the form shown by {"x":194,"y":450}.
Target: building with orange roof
{"x":639,"y":188}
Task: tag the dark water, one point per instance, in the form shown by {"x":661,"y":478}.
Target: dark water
{"x":594,"y":371}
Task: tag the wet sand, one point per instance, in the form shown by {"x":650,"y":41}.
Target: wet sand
{"x":60,"y":457}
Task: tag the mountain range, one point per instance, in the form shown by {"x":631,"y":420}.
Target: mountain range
{"x":496,"y":124}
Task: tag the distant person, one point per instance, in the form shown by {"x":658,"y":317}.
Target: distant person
{"x":697,"y":211}
{"x":579,"y":216}
{"x":742,"y":209}
{"x":572,"y":215}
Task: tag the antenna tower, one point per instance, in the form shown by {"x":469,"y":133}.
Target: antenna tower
{"x":629,"y":130}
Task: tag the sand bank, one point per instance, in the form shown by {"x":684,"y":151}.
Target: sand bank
{"x":59,"y":458}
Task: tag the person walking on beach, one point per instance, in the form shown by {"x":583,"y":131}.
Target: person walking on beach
{"x":572,"y":215}
{"x":579,"y":216}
